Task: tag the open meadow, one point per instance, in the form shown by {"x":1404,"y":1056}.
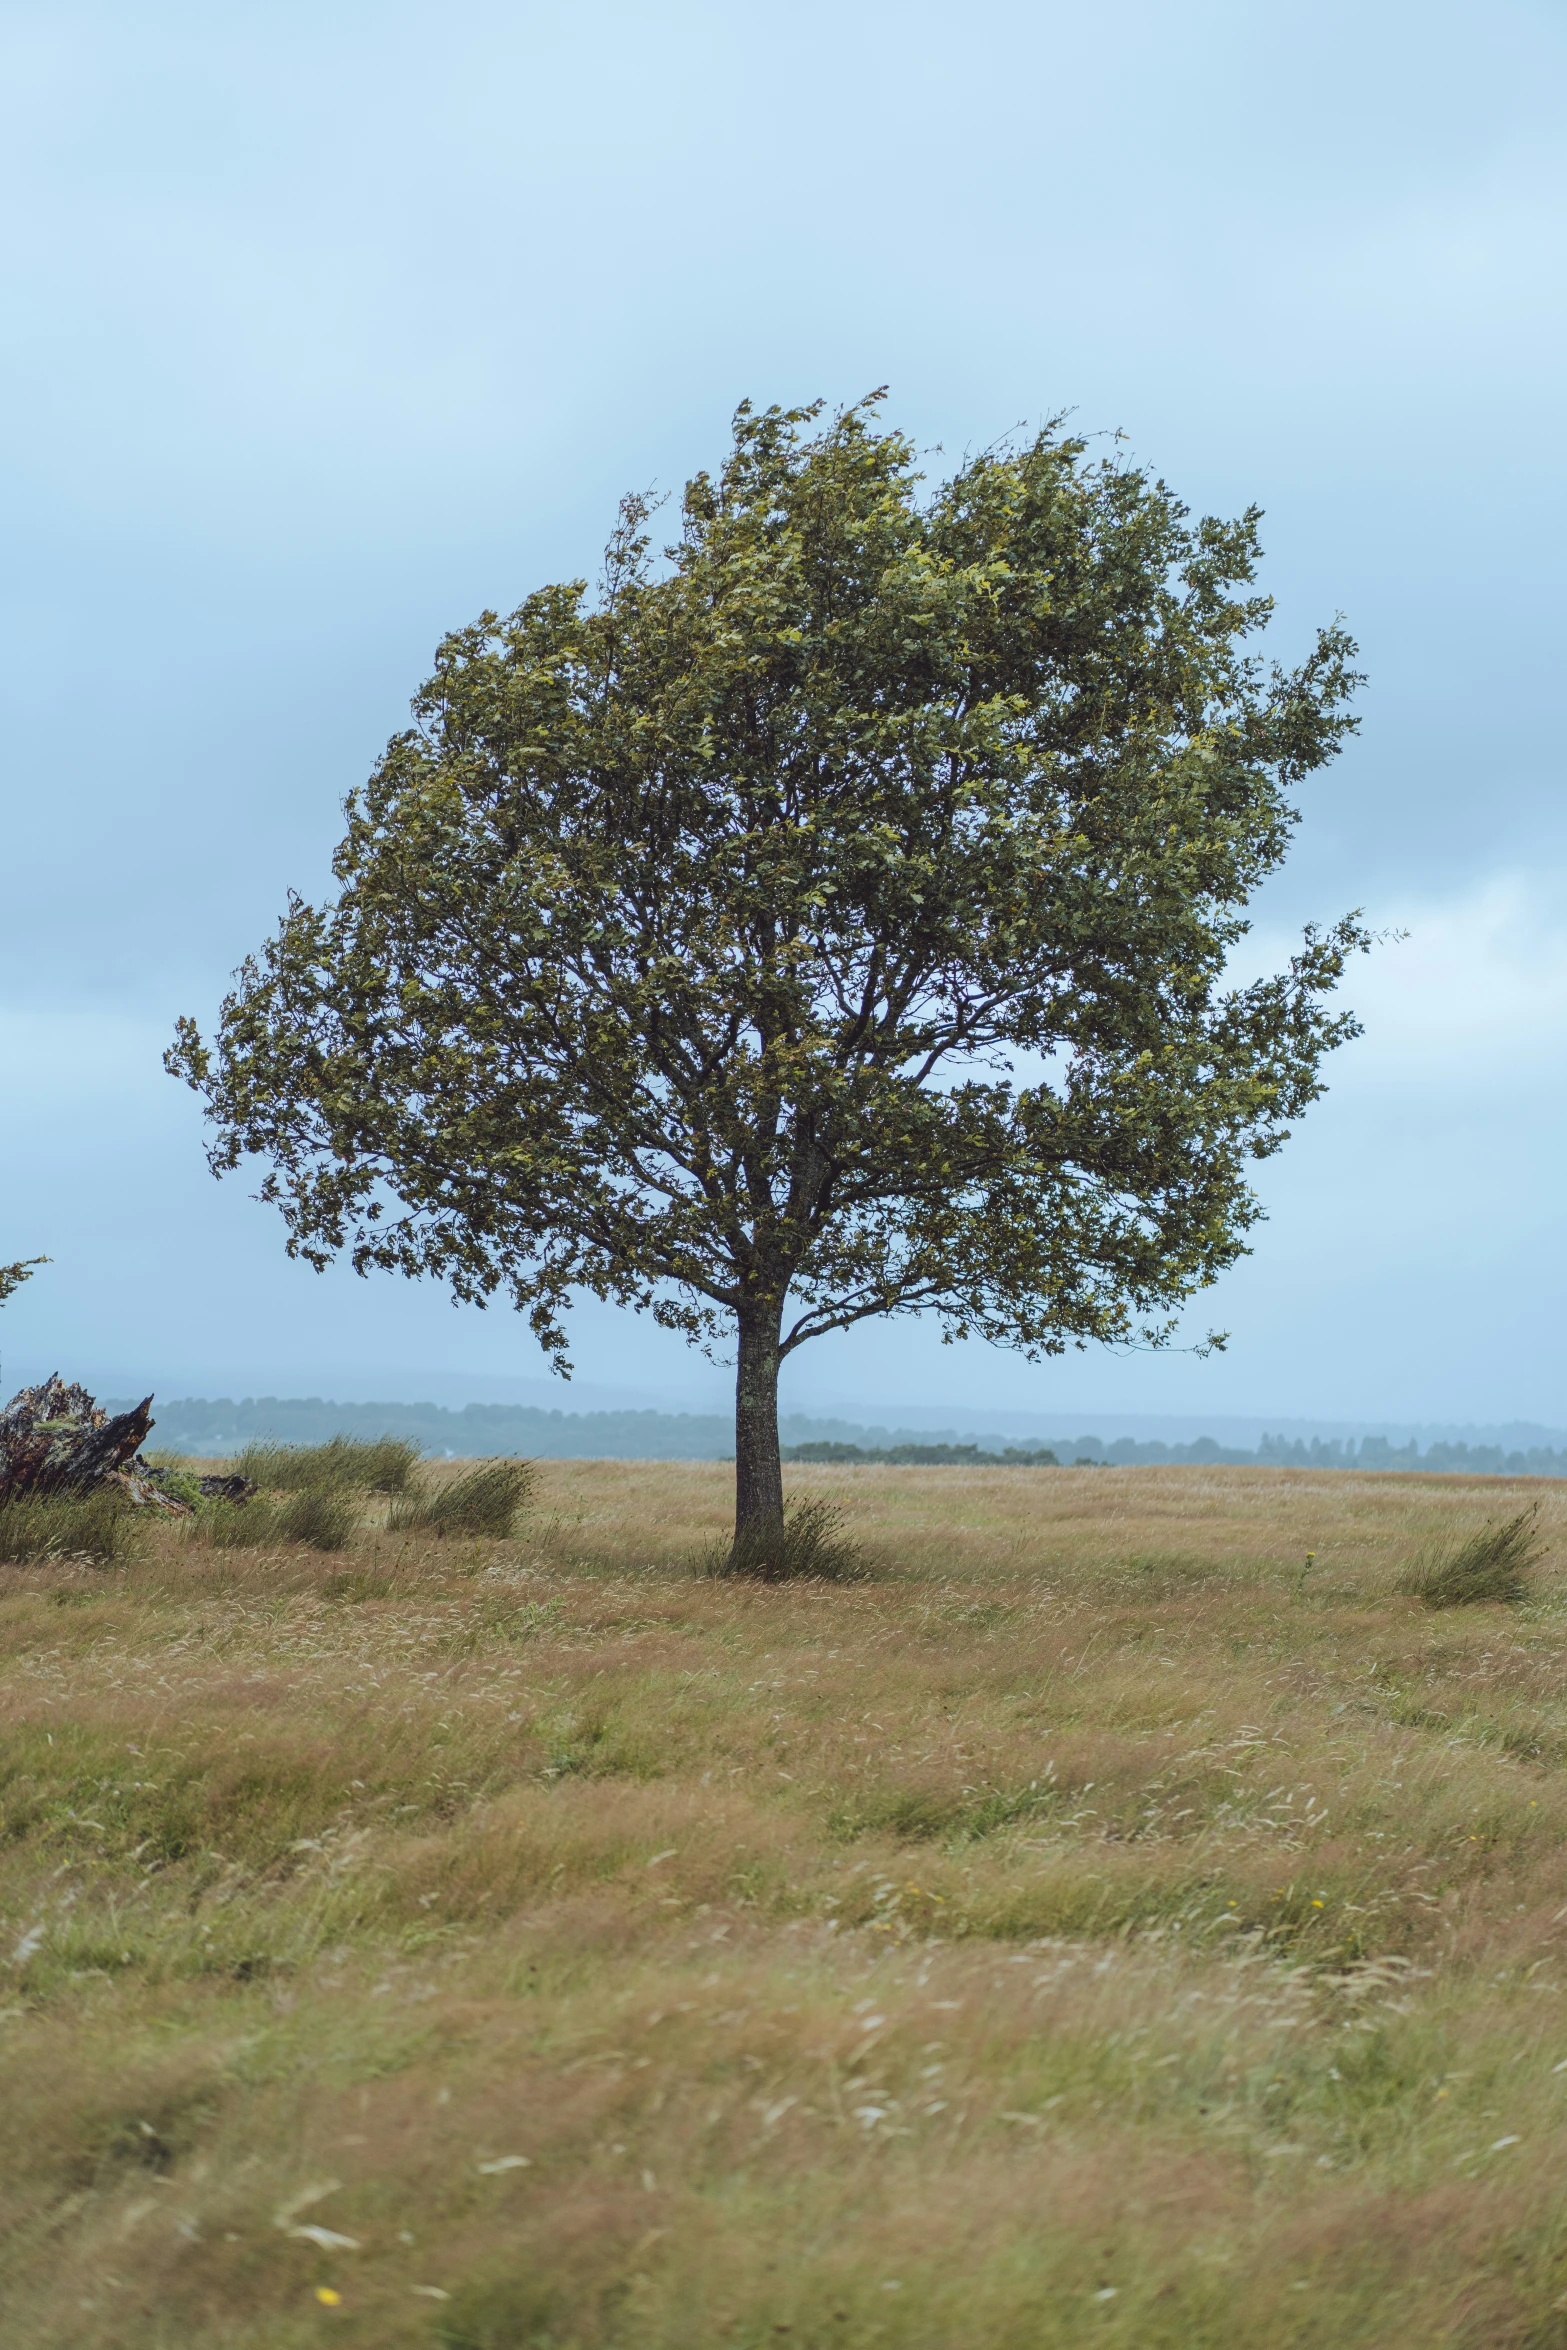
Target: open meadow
{"x":1099,"y":1926}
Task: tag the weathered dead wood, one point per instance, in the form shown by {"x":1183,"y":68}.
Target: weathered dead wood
{"x":55,"y":1439}
{"x":225,"y":1488}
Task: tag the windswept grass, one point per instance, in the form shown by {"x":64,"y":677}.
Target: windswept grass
{"x":94,"y":1526}
{"x":1493,"y":1567}
{"x":810,"y":1546}
{"x":324,"y":1517}
{"x":484,"y":1500}
{"x":383,"y":1464}
{"x":1086,"y":1929}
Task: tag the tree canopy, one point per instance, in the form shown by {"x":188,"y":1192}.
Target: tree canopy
{"x":825,"y":918}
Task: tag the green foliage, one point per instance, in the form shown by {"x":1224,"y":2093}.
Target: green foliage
{"x":1492,"y":1566}
{"x":483,"y":1501}
{"x":320,"y":1516}
{"x":178,"y":1483}
{"x":97,"y":1526}
{"x":809,"y":1546}
{"x":12,"y":1276}
{"x":684,"y":945}
{"x":383,"y":1464}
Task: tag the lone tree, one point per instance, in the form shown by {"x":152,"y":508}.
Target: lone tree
{"x":827,"y":920}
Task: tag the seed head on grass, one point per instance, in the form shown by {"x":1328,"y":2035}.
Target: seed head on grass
{"x":484,"y":1500}
{"x":1492,"y":1566}
{"x":810,"y":1546}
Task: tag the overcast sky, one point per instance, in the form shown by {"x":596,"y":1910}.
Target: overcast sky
{"x":325,"y":327}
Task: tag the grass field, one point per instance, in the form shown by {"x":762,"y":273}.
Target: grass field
{"x":1099,"y":1927}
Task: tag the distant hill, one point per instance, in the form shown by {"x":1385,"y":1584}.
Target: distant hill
{"x":217,"y":1427}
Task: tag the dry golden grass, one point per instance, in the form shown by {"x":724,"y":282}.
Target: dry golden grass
{"x":1096,"y":1928}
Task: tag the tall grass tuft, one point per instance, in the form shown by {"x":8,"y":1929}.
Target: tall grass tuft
{"x":322,"y":1517}
{"x":382,"y":1464}
{"x":97,"y":1526}
{"x":228,"y":1525}
{"x":484,"y":1500}
{"x":1491,"y":1566}
{"x":810,"y":1546}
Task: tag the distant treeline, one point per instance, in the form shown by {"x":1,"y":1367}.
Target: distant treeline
{"x":927,"y":1456}
{"x":480,"y":1431}
{"x":195,"y":1425}
{"x":1375,"y":1452}
{"x":1274,"y":1452}
{"x":475,"y":1431}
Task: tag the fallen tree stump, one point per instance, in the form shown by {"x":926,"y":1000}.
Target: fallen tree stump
{"x":55,"y":1439}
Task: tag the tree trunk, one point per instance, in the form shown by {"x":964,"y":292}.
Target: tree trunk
{"x":758,"y":1470}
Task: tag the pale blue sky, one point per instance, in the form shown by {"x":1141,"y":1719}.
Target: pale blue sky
{"x":325,"y":327}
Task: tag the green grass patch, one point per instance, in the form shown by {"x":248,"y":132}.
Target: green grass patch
{"x":382,"y":1464}
{"x":99,"y":1527}
{"x":320,"y":1517}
